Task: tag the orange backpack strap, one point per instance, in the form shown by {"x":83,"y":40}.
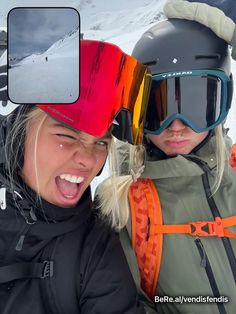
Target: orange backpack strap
{"x":145,"y":214}
{"x":148,"y":231}
{"x":215,"y":228}
{"x":232,"y":160}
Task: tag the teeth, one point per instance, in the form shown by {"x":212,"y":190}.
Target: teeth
{"x":68,"y":196}
{"x":72,"y":179}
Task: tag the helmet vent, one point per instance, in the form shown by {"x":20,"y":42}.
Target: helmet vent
{"x":148,"y":63}
{"x":215,"y":56}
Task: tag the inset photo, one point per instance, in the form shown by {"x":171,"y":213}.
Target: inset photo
{"x":43,"y":55}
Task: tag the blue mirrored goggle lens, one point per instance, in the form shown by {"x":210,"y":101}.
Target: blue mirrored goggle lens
{"x":197,"y":99}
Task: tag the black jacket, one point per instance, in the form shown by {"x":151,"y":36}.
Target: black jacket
{"x":90,"y":271}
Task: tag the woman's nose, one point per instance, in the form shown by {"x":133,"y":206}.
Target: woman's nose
{"x":176,"y":126}
{"x":85,"y":156}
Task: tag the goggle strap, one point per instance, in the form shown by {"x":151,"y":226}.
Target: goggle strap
{"x":230,"y":88}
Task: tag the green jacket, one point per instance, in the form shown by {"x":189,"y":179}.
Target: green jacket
{"x":187,"y":261}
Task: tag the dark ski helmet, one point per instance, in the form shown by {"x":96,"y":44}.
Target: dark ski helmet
{"x":191,"y":75}
{"x":193,"y":45}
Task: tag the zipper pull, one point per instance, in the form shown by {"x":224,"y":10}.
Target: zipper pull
{"x":3,"y":203}
{"x":202,"y":252}
{"x":19,"y":244}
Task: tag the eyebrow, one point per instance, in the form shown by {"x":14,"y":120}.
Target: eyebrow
{"x":107,"y":135}
{"x":60,"y":125}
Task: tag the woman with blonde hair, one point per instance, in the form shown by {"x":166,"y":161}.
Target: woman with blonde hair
{"x":182,"y":209}
{"x":56,"y":254}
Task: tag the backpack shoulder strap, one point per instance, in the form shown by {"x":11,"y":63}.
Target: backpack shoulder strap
{"x":145,"y":214}
{"x":232,"y":160}
{"x":60,"y":292}
{"x":58,"y":273}
{"x":26,"y":270}
{"x":148,"y":230}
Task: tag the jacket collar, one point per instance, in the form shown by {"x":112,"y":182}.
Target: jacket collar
{"x":182,"y":165}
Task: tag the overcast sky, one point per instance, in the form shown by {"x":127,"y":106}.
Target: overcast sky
{"x":7,"y":5}
{"x":34,"y":30}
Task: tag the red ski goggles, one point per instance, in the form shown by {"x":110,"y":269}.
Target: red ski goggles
{"x":113,"y":85}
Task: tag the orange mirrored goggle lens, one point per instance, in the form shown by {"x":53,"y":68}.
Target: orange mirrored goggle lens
{"x":131,"y":119}
{"x":109,"y":81}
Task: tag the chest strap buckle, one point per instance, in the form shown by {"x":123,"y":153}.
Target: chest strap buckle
{"x":207,"y":228}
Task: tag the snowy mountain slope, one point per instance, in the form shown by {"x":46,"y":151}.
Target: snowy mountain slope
{"x":120,"y":22}
{"x":52,"y":76}
{"x":66,"y":46}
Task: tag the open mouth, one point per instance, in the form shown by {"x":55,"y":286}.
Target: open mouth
{"x":69,"y":185}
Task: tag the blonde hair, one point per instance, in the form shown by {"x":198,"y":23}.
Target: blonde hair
{"x":37,"y":115}
{"x":222,"y":156}
{"x":20,"y":123}
{"x":113,"y":192}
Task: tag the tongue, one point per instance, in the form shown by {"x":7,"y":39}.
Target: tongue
{"x":67,"y":188}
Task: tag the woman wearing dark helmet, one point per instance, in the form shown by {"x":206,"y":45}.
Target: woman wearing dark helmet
{"x":56,"y":254}
{"x":184,"y":236}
